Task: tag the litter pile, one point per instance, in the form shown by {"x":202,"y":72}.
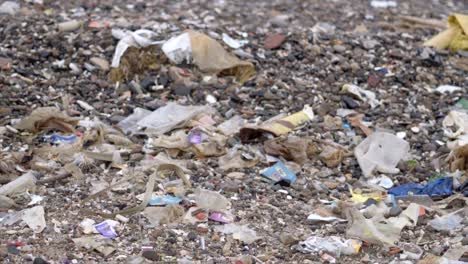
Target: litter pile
{"x":153,"y":132}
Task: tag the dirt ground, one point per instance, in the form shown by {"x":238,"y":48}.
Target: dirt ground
{"x":328,"y":43}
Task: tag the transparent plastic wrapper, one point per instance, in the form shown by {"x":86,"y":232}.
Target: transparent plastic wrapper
{"x":101,"y":244}
{"x":211,"y":200}
{"x":207,"y":54}
{"x":239,"y":232}
{"x":9,"y":7}
{"x":34,"y":218}
{"x":236,"y":159}
{"x":129,"y":124}
{"x":231,"y":126}
{"x":171,"y":116}
{"x":20,"y":185}
{"x":450,"y":221}
{"x":455,"y":37}
{"x":381,"y":152}
{"x":164,"y":215}
{"x":332,"y":244}
{"x":456,"y":127}
{"x":234,"y":43}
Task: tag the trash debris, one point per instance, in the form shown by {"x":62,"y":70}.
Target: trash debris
{"x":233,"y":43}
{"x":107,"y":228}
{"x":278,"y":125}
{"x":48,"y":118}
{"x":211,"y":200}
{"x":164,"y":200}
{"x":333,"y":245}
{"x":34,"y":218}
{"x":381,"y":151}
{"x":439,"y":187}
{"x":450,"y":221}
{"x":361,"y":94}
{"x":447,"y":89}
{"x":99,"y":243}
{"x":23,"y":183}
{"x":208,"y":55}
{"x":383,"y":3}
{"x":454,"y":37}
{"x":279,"y":174}
{"x":239,"y":232}
{"x":69,"y":25}
{"x":164,"y":215}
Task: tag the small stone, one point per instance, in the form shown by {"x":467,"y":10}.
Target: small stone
{"x":39,"y":260}
{"x":415,"y":130}
{"x":465,"y":241}
{"x":192,"y":236}
{"x":101,"y":63}
{"x":182,"y":90}
{"x":288,"y":239}
{"x":394,"y":211}
{"x":12,"y":249}
{"x":280,"y":21}
{"x":151,"y":255}
{"x":274,"y":41}
{"x":349,"y":102}
{"x":147,"y":82}
{"x":5,"y":64}
{"x":339,"y":48}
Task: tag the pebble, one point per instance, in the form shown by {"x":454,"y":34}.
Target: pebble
{"x":5,"y":64}
{"x":151,"y":255}
{"x":415,"y":130}
{"x":39,"y":260}
{"x":274,"y":41}
{"x":101,"y":63}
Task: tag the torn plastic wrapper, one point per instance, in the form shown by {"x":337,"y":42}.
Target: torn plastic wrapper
{"x":456,"y":127}
{"x":171,"y":116}
{"x":164,"y":215}
{"x":361,"y":94}
{"x":381,"y":151}
{"x":129,"y":124}
{"x":208,"y":55}
{"x":231,"y":126}
{"x":220,"y":217}
{"x":211,"y":200}
{"x":279,"y":173}
{"x":99,"y":243}
{"x":107,"y":228}
{"x":439,"y":187}
{"x":164,"y":200}
{"x":239,"y":232}
{"x":235,"y":159}
{"x":234,"y":43}
{"x":455,"y":37}
{"x":48,"y":118}
{"x":290,"y":148}
{"x":277,"y":126}
{"x":332,"y":245}
{"x":161,"y":169}
{"x":140,"y":38}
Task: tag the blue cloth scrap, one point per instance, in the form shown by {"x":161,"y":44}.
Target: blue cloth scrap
{"x":439,"y":187}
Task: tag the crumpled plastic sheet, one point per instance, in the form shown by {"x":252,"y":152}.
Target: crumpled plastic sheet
{"x":439,"y":187}
{"x":332,"y":244}
{"x":362,"y":94}
{"x":455,"y":37}
{"x":278,"y":125}
{"x":207,"y":54}
{"x":381,"y":151}
{"x":48,"y":118}
{"x":456,"y":127}
{"x":240,"y":232}
{"x":139,"y":38}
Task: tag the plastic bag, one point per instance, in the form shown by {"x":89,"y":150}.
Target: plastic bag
{"x":381,"y":151}
{"x":240,"y":232}
{"x":439,"y":187}
{"x":455,"y":37}
{"x":208,"y":55}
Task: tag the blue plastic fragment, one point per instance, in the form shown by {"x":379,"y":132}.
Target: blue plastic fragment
{"x":165,"y":200}
{"x":279,"y":172}
{"x":439,"y":187}
{"x":61,"y":139}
